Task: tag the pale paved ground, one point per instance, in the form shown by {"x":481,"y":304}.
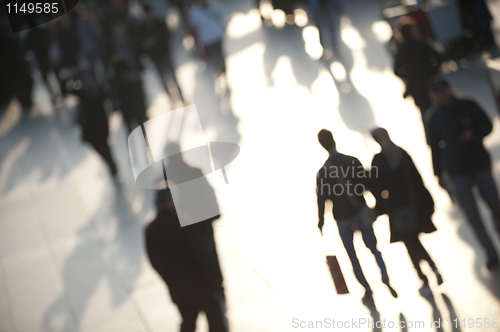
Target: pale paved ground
{"x":71,"y":247}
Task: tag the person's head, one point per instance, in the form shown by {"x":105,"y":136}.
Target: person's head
{"x":164,"y":200}
{"x":381,"y":136}
{"x":326,"y":140}
{"x":407,"y":28}
{"x":440,"y":91}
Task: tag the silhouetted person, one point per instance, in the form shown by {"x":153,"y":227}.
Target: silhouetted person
{"x":416,"y":62}
{"x":326,"y":14}
{"x":128,"y":92}
{"x":69,"y":46}
{"x":477,"y":19}
{"x":92,"y":117}
{"x":343,"y":180}
{"x":456,"y":131}
{"x":206,"y":19}
{"x":155,"y":42}
{"x":401,"y":194}
{"x":186,"y":259}
{"x":38,"y":41}
{"x":15,"y":78}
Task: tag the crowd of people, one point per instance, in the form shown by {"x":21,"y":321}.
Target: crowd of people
{"x":96,"y":52}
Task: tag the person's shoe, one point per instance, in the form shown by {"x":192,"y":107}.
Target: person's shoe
{"x":492,"y":263}
{"x":425,"y":290}
{"x":385,"y":280}
{"x":368,"y":298}
{"x":438,"y":276}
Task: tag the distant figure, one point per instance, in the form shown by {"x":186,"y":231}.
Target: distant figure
{"x":186,"y":259}
{"x":155,"y":42}
{"x":68,"y":44}
{"x":401,"y":193}
{"x":456,"y":131}
{"x":416,"y":62}
{"x":477,"y":19}
{"x":343,"y":180}
{"x":38,"y":41}
{"x":128,"y":92}
{"x":92,"y":117}
{"x":206,"y":19}
{"x":326,"y":14}
{"x":15,"y":78}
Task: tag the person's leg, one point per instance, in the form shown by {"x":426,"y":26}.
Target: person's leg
{"x":489,"y":192}
{"x":215,"y":310}
{"x":161,"y":71}
{"x":371,"y":243}
{"x":462,"y":188}
{"x":189,"y":313}
{"x":414,"y":248}
{"x":168,"y":65}
{"x":346,"y":234}
{"x":334,"y":25}
{"x":103,"y":149}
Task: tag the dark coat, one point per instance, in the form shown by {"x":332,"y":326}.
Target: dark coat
{"x":337,"y":173}
{"x":127,"y":87}
{"x":156,"y":29}
{"x":185,"y":257}
{"x":416,"y":62}
{"x":448,"y":125}
{"x":396,"y":183}
{"x":92,"y":116}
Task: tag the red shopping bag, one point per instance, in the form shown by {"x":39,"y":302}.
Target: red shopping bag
{"x":338,"y":277}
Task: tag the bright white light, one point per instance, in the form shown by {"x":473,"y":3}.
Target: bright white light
{"x":301,"y":19}
{"x":244,"y":24}
{"x":382,"y":31}
{"x":278,"y":18}
{"x":338,"y":71}
{"x":311,"y":39}
{"x":266,"y":9}
{"x":353,"y":39}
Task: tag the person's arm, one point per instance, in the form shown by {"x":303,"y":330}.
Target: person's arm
{"x":434,"y":142}
{"x":483,"y":125}
{"x":375,"y":188}
{"x":321,"y":202}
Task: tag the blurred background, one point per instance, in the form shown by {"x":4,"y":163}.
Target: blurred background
{"x":72,"y":254}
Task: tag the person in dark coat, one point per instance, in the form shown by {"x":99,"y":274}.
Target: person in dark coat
{"x":399,"y":186}
{"x":416,"y":63}
{"x":38,"y":41}
{"x":92,"y":115}
{"x":456,"y":129}
{"x":15,"y":78}
{"x":155,"y":42}
{"x":343,"y":180}
{"x":69,"y":45}
{"x":128,"y":92}
{"x":186,"y":259}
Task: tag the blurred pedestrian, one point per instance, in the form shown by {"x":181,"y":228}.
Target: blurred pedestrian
{"x":326,"y":15}
{"x":15,"y":77}
{"x":456,"y":131}
{"x":416,"y":62}
{"x":68,"y":44}
{"x":155,"y":42}
{"x":38,"y":42}
{"x":186,"y":259}
{"x":401,"y":194}
{"x":343,"y":180}
{"x":206,"y":19}
{"x":92,"y":115}
{"x":127,"y":91}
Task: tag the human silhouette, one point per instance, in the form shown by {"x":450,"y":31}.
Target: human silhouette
{"x":399,"y":189}
{"x":186,"y":259}
{"x":343,"y":180}
{"x":456,"y":128}
{"x":155,"y":42}
{"x":416,"y":62}
{"x":92,"y":116}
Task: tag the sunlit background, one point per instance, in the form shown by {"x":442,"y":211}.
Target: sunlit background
{"x":71,"y":241}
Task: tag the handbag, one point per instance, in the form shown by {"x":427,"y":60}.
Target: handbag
{"x":405,"y":219}
{"x":337,"y":275}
